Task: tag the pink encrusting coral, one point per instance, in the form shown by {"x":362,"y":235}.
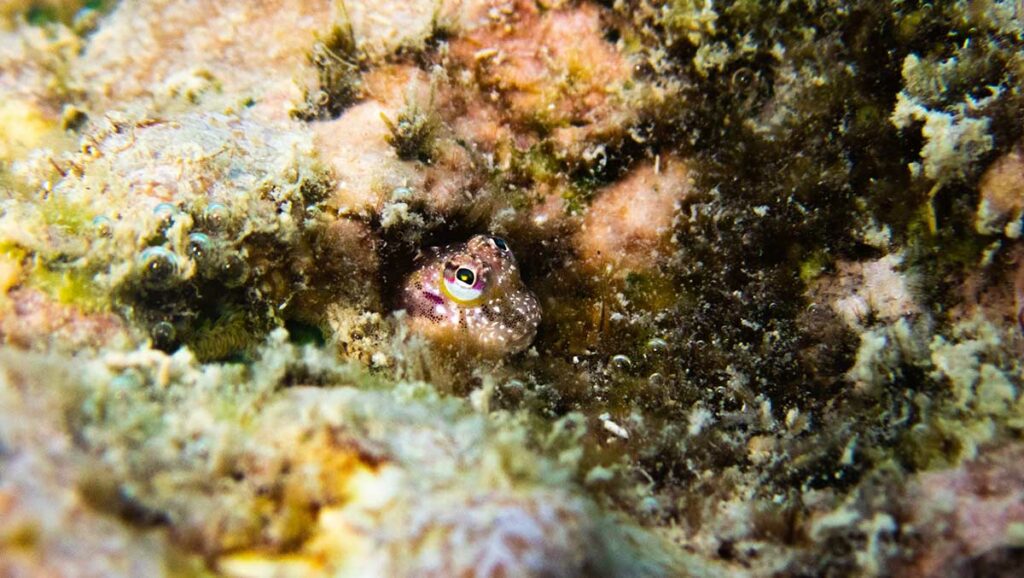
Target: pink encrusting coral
{"x":971,"y":515}
{"x":628,"y":227}
{"x":391,"y":151}
{"x":496,"y":534}
{"x":35,"y":320}
{"x":550,"y":66}
{"x":1001,"y":191}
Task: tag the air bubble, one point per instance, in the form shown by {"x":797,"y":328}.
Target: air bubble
{"x":743,"y":79}
{"x":163,"y":334}
{"x":200,"y":247}
{"x":401,"y":194}
{"x":234,"y":271}
{"x":159,"y":268}
{"x":515,"y":385}
{"x":621,"y":362}
{"x":657,"y":345}
{"x":165,"y":212}
{"x":216,"y":216}
{"x":102,"y":226}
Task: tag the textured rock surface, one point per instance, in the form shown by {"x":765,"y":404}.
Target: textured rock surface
{"x":775,"y":246}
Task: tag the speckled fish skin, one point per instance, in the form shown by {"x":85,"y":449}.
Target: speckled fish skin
{"x":495,"y":314}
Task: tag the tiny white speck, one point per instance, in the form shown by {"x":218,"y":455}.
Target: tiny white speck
{"x":615,"y":428}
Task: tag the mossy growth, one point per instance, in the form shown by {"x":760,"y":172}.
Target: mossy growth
{"x":58,"y":270}
{"x":48,"y":12}
{"x":813,"y":266}
{"x":522,"y":171}
{"x":73,"y":219}
{"x":535,"y":164}
{"x":783,"y":88}
{"x":578,"y":195}
{"x":692,"y":21}
{"x":233,"y":333}
{"x":414,"y":132}
{"x":71,"y":286}
{"x":337,"y":59}
{"x":793,"y":147}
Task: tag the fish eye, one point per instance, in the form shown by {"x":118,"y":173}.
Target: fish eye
{"x":463,"y":286}
{"x":500,"y":243}
{"x":466,"y":276}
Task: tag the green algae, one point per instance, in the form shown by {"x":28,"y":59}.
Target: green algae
{"x":45,"y":13}
{"x":125,"y":424}
{"x":337,"y":59}
{"x":73,"y":218}
{"x":414,"y":132}
{"x":70,"y":286}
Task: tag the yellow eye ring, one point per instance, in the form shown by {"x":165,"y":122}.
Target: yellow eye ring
{"x":464,"y":287}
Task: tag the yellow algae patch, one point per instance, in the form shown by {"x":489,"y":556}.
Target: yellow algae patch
{"x":328,"y":463}
{"x":23,"y":127}
{"x":70,"y":287}
{"x":257,"y":565}
{"x":10,"y":274}
{"x":325,"y":471}
{"x":339,"y":538}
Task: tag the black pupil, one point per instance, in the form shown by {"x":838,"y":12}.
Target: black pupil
{"x":500,"y":243}
{"x":465,"y":275}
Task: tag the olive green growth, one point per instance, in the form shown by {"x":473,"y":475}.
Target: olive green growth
{"x":337,"y":60}
{"x":414,"y":132}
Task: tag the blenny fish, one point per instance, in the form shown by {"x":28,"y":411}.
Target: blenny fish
{"x":470,"y":296}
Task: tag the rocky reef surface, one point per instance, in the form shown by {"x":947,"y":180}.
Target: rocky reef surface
{"x":775,"y":247}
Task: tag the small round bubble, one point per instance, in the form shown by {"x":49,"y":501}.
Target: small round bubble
{"x":125,"y":381}
{"x":657,"y":345}
{"x":649,"y":506}
{"x":515,"y":385}
{"x":234,"y":271}
{"x":102,"y":226}
{"x":163,"y":334}
{"x":216,"y":216}
{"x":743,"y":79}
{"x":159,"y":267}
{"x":200,"y":246}
{"x":621,"y":362}
{"x":165,"y":211}
{"x":401,"y":193}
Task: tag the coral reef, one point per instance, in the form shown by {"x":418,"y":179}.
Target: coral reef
{"x":309,"y":480}
{"x":764,"y":317}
